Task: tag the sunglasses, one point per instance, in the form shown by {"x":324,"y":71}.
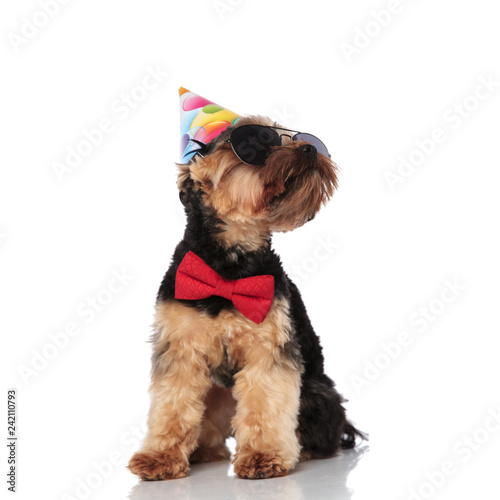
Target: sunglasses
{"x":253,"y":144}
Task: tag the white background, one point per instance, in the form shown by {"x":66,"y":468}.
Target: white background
{"x":61,"y":239}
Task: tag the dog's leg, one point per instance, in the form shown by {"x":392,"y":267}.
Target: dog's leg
{"x":180,"y":381}
{"x":215,"y":427}
{"x":267,"y":391}
{"x":174,"y":418}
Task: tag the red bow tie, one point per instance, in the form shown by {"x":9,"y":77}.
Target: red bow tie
{"x":251,"y":296}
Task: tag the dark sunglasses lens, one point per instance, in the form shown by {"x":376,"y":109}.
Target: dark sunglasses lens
{"x":253,"y":143}
{"x":313,"y":140}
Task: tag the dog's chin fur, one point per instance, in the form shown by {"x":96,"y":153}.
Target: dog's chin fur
{"x":250,"y":202}
{"x":296,"y":186}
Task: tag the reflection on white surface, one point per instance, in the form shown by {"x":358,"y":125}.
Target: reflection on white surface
{"x":318,"y":479}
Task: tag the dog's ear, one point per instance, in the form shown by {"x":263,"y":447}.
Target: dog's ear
{"x":185,"y":185}
{"x":185,"y":196}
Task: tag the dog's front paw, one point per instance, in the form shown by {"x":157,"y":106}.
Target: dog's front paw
{"x":152,"y":466}
{"x":254,"y":465}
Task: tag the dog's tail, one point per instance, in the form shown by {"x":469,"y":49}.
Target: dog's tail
{"x":349,"y":435}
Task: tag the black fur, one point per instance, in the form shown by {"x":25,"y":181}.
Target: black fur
{"x":323,"y":426}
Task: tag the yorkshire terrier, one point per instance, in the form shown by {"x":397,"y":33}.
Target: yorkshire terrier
{"x":234,"y":352}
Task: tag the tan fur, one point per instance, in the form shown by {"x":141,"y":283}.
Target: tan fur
{"x":175,"y":415}
{"x":254,"y":234}
{"x":245,"y":197}
{"x":266,"y":387}
{"x":182,"y":175}
{"x":215,"y":427}
{"x":190,"y":417}
{"x":267,"y":391}
{"x":234,"y":191}
{"x":232,"y":188}
{"x":296,"y":191}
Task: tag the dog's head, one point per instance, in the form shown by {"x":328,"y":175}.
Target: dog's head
{"x":283,"y":191}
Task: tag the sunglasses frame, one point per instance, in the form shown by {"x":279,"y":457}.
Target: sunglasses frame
{"x":280,"y":136}
{"x":201,"y":152}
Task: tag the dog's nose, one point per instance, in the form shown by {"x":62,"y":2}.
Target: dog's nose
{"x":309,"y":150}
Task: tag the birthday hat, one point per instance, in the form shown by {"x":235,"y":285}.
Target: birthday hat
{"x":201,"y":120}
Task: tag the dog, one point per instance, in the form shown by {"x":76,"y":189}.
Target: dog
{"x":222,"y":367}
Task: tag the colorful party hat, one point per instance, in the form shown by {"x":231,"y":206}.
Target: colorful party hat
{"x":201,"y":120}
